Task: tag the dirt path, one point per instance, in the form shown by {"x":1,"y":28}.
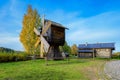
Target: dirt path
{"x":112,"y":70}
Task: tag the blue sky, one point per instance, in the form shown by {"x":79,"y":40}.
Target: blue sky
{"x":89,"y":21}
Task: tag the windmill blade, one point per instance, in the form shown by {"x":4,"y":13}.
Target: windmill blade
{"x":37,"y":43}
{"x":41,"y":50}
{"x":45,"y":43}
{"x":36,"y":31}
{"x":43,"y":21}
{"x":46,"y":27}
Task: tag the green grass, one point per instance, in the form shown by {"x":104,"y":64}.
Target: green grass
{"x":75,"y":69}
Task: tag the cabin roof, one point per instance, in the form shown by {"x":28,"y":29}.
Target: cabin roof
{"x":56,"y":24}
{"x":96,"y":45}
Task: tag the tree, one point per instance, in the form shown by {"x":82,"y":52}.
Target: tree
{"x":65,"y":48}
{"x":8,"y":50}
{"x":74,"y":49}
{"x":27,"y":36}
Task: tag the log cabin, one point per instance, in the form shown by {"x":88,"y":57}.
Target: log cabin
{"x":102,"y":50}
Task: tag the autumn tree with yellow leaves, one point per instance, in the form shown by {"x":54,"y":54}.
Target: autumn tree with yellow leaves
{"x":74,"y":49}
{"x":27,"y":36}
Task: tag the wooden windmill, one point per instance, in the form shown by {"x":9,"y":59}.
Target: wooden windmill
{"x":50,"y":37}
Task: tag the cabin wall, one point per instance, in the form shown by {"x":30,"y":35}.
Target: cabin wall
{"x":104,"y":53}
{"x":85,"y":55}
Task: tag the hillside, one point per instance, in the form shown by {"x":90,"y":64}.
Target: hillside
{"x":3,"y":49}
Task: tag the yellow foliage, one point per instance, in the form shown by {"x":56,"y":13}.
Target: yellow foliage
{"x":27,"y":36}
{"x":74,"y":49}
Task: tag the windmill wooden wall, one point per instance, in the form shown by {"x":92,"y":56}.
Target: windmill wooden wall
{"x":55,"y":35}
{"x":56,"y":38}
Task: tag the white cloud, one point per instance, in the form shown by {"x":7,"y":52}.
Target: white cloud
{"x":10,"y":22}
{"x":10,"y":41}
{"x":95,"y":27}
{"x":11,"y":14}
{"x":87,"y":35}
{"x":61,"y":16}
{"x":106,"y":20}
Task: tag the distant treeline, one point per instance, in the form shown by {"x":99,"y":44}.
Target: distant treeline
{"x":116,"y":55}
{"x":3,"y":49}
{"x":9,"y":55}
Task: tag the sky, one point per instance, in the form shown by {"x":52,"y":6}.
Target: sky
{"x":91,"y":21}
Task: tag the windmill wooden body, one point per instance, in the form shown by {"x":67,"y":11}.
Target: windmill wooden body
{"x":50,"y":37}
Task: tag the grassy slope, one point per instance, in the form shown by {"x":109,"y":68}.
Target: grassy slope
{"x":76,"y":69}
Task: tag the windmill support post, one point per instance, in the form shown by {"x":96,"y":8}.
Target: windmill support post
{"x":41,"y":51}
{"x":54,"y":53}
{"x":46,"y":61}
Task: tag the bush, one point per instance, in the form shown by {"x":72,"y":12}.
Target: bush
{"x":116,"y":55}
{"x":3,"y":57}
{"x":7,"y":57}
{"x":21,"y":57}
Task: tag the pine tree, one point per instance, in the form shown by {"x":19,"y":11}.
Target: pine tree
{"x":27,"y":36}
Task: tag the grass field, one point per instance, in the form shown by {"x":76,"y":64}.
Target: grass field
{"x":74,"y":69}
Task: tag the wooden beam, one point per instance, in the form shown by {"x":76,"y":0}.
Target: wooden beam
{"x":41,"y":50}
{"x":46,"y":44}
{"x":43,"y":20}
{"x":36,"y":31}
{"x":38,"y":41}
{"x":46,"y":27}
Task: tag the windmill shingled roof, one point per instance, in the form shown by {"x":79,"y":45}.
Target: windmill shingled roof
{"x":97,"y":45}
{"x":57,"y":24}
